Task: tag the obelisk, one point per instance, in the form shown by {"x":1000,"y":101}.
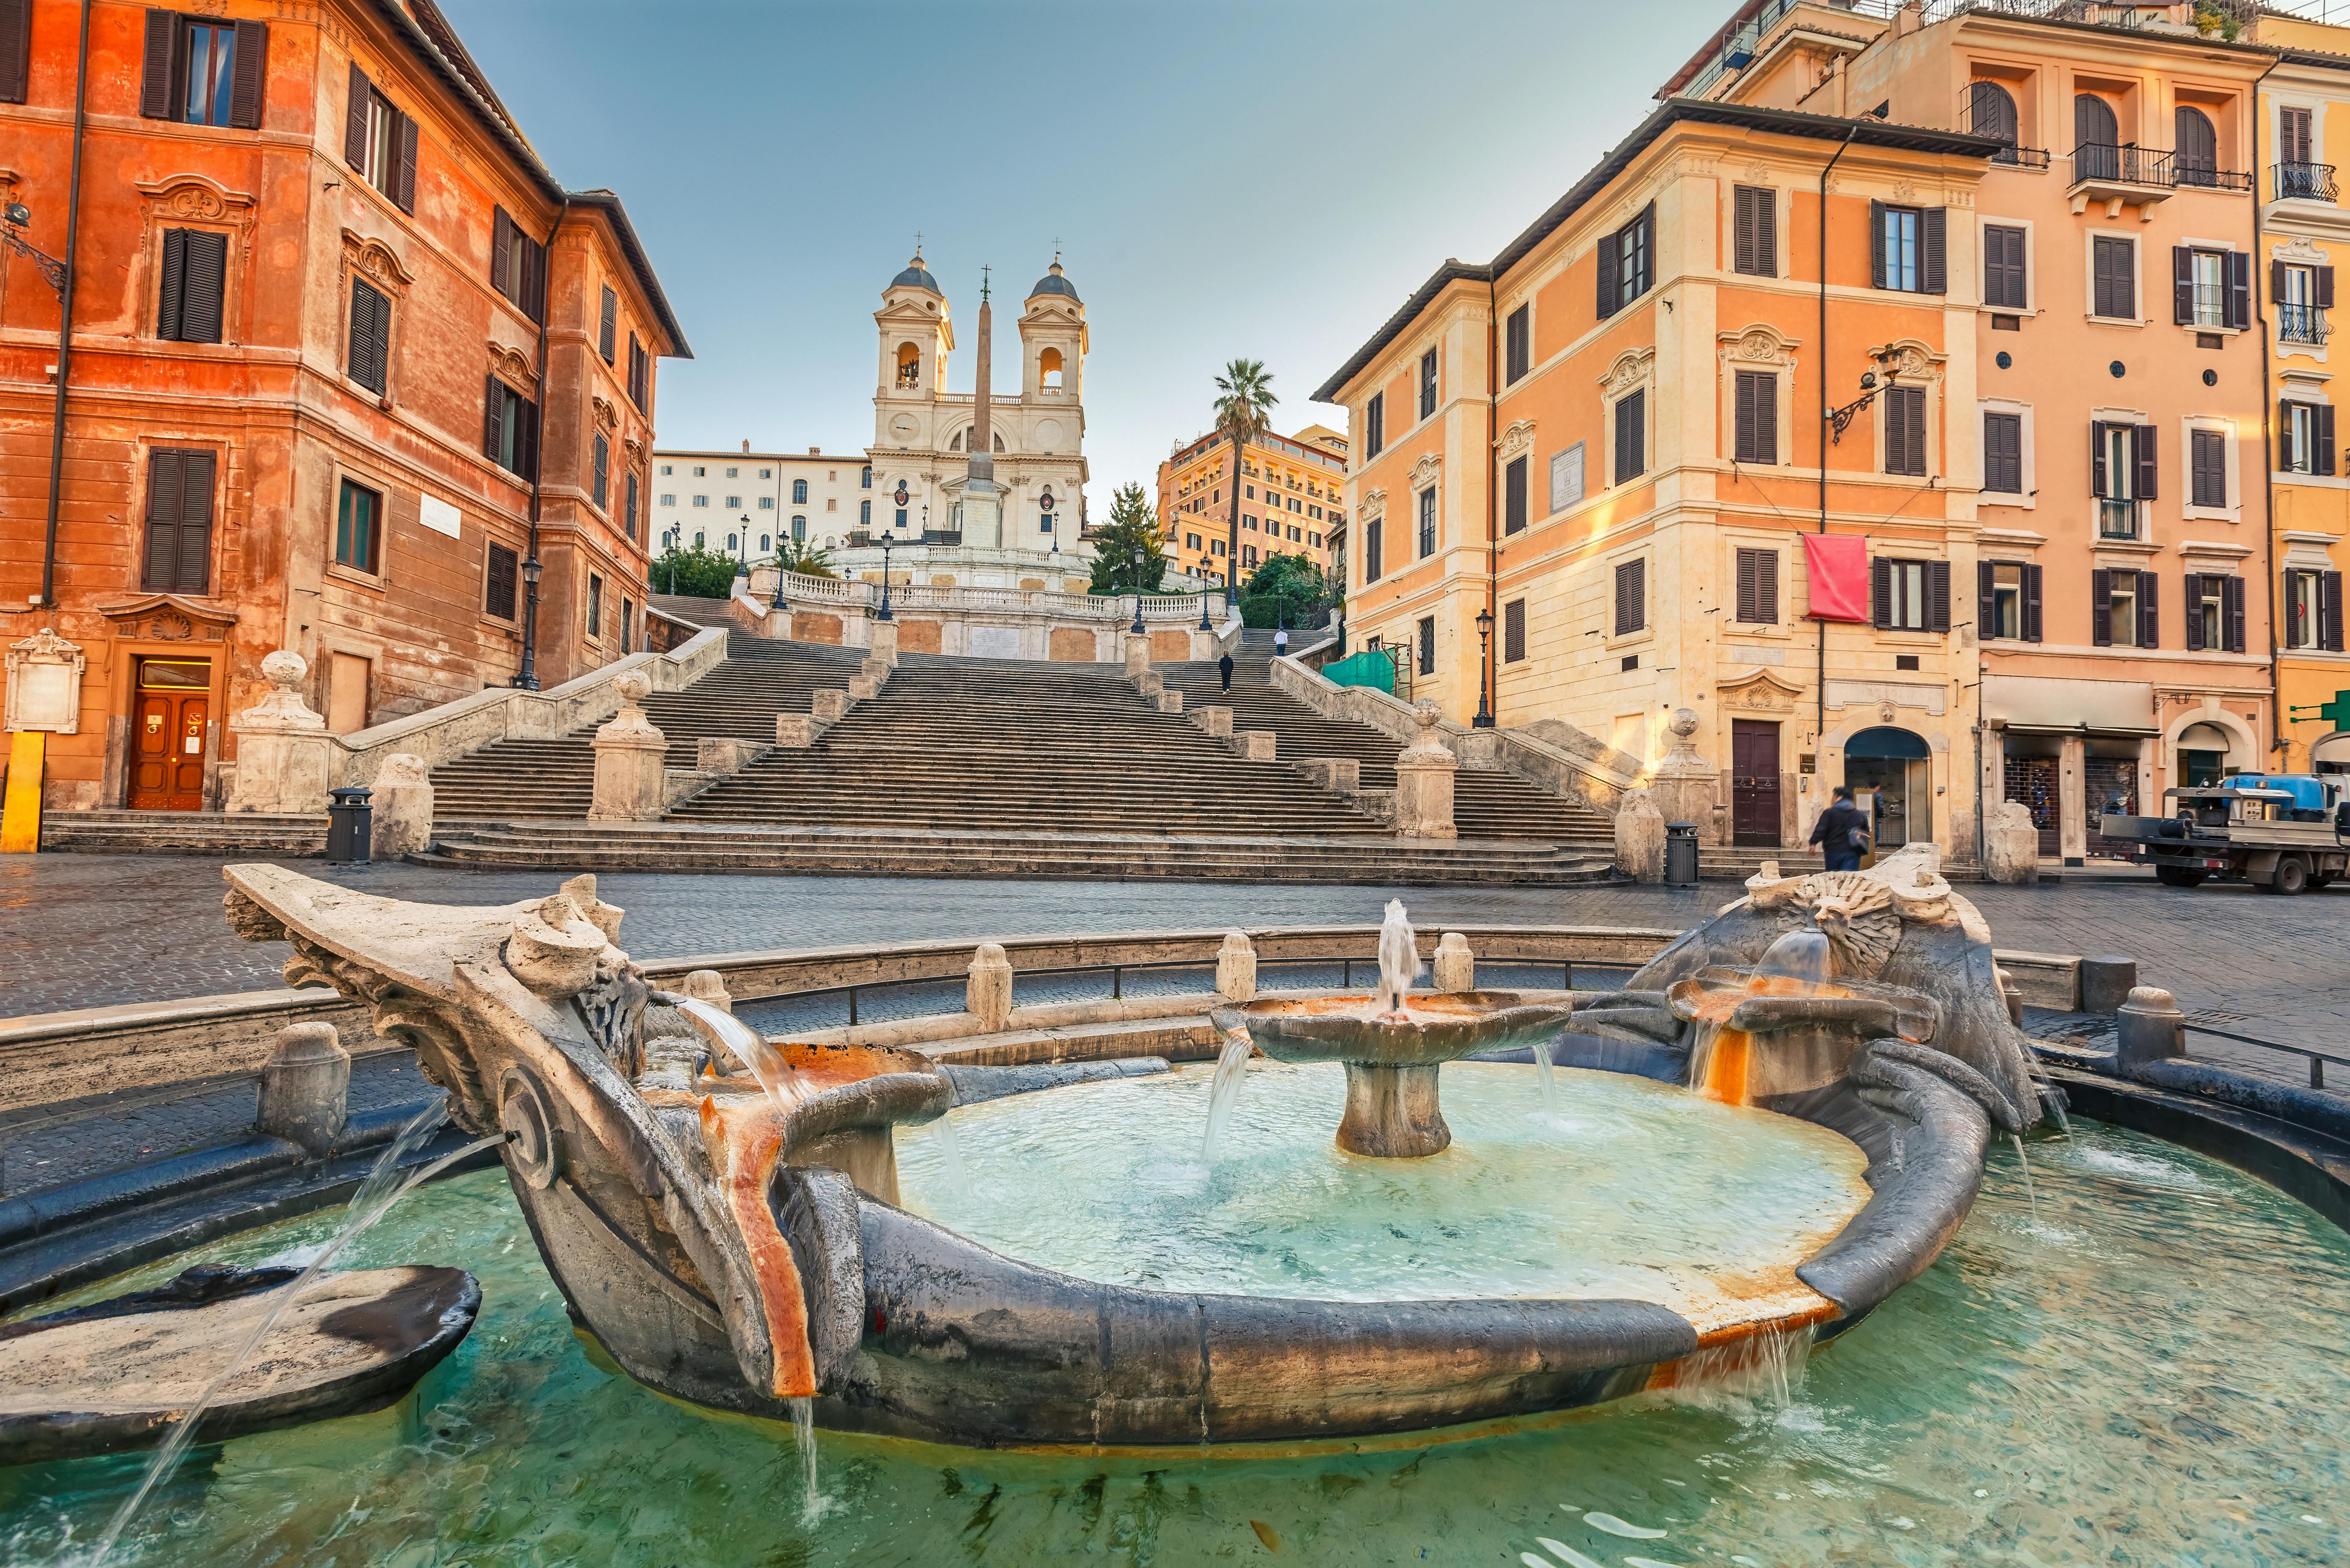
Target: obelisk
{"x":982,"y":508}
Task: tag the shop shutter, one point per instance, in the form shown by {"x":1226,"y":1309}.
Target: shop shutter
{"x":1937,"y":596}
{"x":1880,"y":592}
{"x":2100,"y":608}
{"x":355,"y":118}
{"x":2031,"y":604}
{"x":245,"y":95}
{"x":161,"y":54}
{"x":2232,"y":612}
{"x":2329,"y":611}
{"x":1933,"y":228}
{"x":16,"y":49}
{"x":2142,"y":449}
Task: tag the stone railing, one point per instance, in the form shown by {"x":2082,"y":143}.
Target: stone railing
{"x":791,"y":587}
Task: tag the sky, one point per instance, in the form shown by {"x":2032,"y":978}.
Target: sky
{"x":1266,"y":181}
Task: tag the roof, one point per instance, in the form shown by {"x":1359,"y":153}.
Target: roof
{"x":435,"y":42}
{"x":1053,"y":282}
{"x":916,"y":276}
{"x":1863,"y":133}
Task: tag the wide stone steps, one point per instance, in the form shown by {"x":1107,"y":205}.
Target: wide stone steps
{"x":184,"y":833}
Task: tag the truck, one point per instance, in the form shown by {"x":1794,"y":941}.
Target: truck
{"x":2281,"y":832}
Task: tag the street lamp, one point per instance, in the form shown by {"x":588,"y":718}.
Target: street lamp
{"x":1485,"y":720}
{"x":1137,"y":628}
{"x":527,"y":678}
{"x":885,"y":541}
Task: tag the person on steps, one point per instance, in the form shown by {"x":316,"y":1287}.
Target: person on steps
{"x":1842,"y":832}
{"x":1225,"y":668}
{"x":1280,"y":643}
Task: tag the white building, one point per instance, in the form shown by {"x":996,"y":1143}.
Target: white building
{"x":740,"y":503}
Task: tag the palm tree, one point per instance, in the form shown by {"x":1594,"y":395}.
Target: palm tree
{"x":1243,"y":415}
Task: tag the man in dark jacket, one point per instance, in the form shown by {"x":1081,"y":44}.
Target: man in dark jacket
{"x":1224,"y":667}
{"x":1842,"y":832}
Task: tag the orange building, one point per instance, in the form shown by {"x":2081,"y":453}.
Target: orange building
{"x":343,"y":351}
{"x":1291,"y":489}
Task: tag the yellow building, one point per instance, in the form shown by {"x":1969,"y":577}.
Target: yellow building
{"x":2305,"y":132}
{"x":1291,"y":489}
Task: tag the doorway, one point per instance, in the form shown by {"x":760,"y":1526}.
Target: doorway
{"x":2203,"y":749}
{"x":2029,"y":777}
{"x":170,"y":707}
{"x":347,"y":694}
{"x":1888,"y":771}
{"x":1754,"y":782}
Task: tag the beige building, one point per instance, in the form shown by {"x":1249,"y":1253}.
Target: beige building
{"x":743,"y":504}
{"x":1291,"y":497}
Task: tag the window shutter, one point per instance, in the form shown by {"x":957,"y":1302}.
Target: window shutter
{"x":1877,"y":244}
{"x":1933,"y":237}
{"x":166,"y":478}
{"x":603,"y":468}
{"x":630,"y":516}
{"x":2329,"y":611}
{"x":1766,"y":418}
{"x":606,"y":326}
{"x":403,"y":183}
{"x":2149,"y":611}
{"x":1767,"y":590}
{"x":1766,"y":233}
{"x":16,"y":49}
{"x":1514,"y":632}
{"x":1748,"y":595}
{"x":2098,"y":483}
{"x":1514,"y":493}
{"x":1610,"y":255}
{"x":499,"y":600}
{"x":2100,"y":608}
{"x":1880,"y":592}
{"x":155,"y":75}
{"x":2232,"y":612}
{"x":1742,"y":240}
{"x":203,"y":286}
{"x":2324,"y":280}
{"x":1986,"y":604}
{"x":527,"y":450}
{"x":1631,"y":596}
{"x":2193,"y":600}
{"x":252,"y":66}
{"x":2284,"y":434}
{"x":1371,"y":566}
{"x":355,"y":118}
{"x":493,"y":418}
{"x":1644,"y":250}
{"x":2322,"y":460}
{"x":371,"y":337}
{"x":2183,"y":284}
{"x":502,"y":231}
{"x":2240,"y":290}
{"x":2030,"y":602}
{"x":192,"y":571}
{"x":2142,"y":448}
{"x":534,"y":279}
{"x":169,"y":307}
{"x":1937,"y":596}
{"x":2276,"y":281}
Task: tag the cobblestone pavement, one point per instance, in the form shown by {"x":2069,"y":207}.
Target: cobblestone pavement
{"x":86,"y":930}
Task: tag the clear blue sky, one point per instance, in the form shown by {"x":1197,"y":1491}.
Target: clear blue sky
{"x":1266,"y":180}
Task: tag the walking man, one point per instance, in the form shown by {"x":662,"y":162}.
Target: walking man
{"x":1842,"y":832}
{"x":1280,"y":643}
{"x":1225,"y":668}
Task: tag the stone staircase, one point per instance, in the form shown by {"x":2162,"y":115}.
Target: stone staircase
{"x":185,"y":832}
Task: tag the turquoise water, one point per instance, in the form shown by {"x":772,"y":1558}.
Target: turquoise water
{"x":2153,"y":1373}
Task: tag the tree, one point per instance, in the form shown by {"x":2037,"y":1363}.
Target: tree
{"x":1243,"y":412}
{"x":1132,"y":525}
{"x":1293,"y":579}
{"x":807,"y":560}
{"x":697,"y":574}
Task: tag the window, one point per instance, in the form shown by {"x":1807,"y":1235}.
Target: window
{"x":1631,"y":596}
{"x":380,"y":141}
{"x":1758,"y":586}
{"x":606,"y":325}
{"x":2121,"y":475}
{"x":799,"y":493}
{"x":1513,"y":496}
{"x":734,"y":473}
{"x":701,"y":500}
{"x":1756,"y":418}
{"x":2096,"y":152}
{"x":509,"y":431}
{"x":596,"y":605}
{"x":1908,"y":249}
{"x":2003,"y":453}
{"x":1567,"y":477}
{"x":1190,"y":541}
{"x":519,"y":266}
{"x":359,"y":523}
{"x":2210,"y":288}
{"x":2113,"y":277}
{"x":179,"y":554}
{"x":196,"y":69}
{"x":371,"y":337}
{"x":668,"y":498}
{"x":1991,"y":112}
{"x":498,"y":588}
{"x":1755,"y":225}
{"x":1371,"y":567}
{"x":1631,"y":437}
{"x":2122,"y":609}
{"x":865,"y":514}
{"x":628,"y":502}
{"x":2215,"y":612}
{"x":1427,"y":645}
{"x":2207,"y":464}
{"x":865,"y":479}
{"x":2008,"y":600}
{"x":2303,"y":295}
{"x":733,"y":504}
{"x":2312,"y":610}
{"x":640,"y":373}
{"x":1909,"y":595}
{"x":1905,"y":431}
{"x":15,"y":51}
{"x":2195,"y":159}
{"x":627,"y":626}
{"x":1626,"y":262}
{"x":1215,"y":547}
{"x":1519,"y":333}
{"x":2004,"y":286}
{"x":2296,"y":176}
{"x":195,"y":278}
{"x":2305,"y":437}
{"x":766,"y":504}
{"x":800,"y":527}
{"x":1514,"y":632}
{"x":1248,"y":554}
{"x":1427,"y":523}
{"x":601,"y":479}
{"x":1427,"y":384}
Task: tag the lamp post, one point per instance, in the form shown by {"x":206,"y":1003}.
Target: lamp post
{"x":1485,"y":720}
{"x":527,"y":677}
{"x":1137,"y":628}
{"x":885,"y":541}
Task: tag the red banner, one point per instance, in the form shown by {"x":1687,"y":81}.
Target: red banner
{"x":1836,"y":565}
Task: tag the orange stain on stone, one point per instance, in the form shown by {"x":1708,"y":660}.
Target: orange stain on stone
{"x":750,"y":1135}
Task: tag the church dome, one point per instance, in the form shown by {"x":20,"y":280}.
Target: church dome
{"x":916,"y":275}
{"x":1053,"y":282}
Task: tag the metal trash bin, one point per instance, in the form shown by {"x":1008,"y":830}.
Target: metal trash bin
{"x":1681,"y":854}
{"x":351,"y":824}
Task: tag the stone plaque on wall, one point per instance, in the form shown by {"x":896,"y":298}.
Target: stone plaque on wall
{"x":44,"y":684}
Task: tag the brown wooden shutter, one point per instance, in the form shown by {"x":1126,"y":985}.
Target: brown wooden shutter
{"x":355,"y":118}
{"x":526,"y":449}
{"x":2232,"y":612}
{"x":2322,"y":459}
{"x":166,"y":480}
{"x":371,"y":337}
{"x":1877,"y":244}
{"x":2149,"y":471}
{"x":2150,"y":611}
{"x":2292,"y":630}
{"x":1513,"y":496}
{"x":1766,"y":233}
{"x":1631,"y":596}
{"x":1933,"y":238}
{"x":245,"y":90}
{"x":1371,"y":564}
{"x":2192,"y":599}
{"x":1609,"y":257}
{"x":403,"y":182}
{"x":1880,"y":592}
{"x":533,"y":280}
{"x":1747,"y":571}
{"x":169,"y":307}
{"x":608,"y":325}
{"x":1514,"y":632}
{"x":2240,"y":290}
{"x":2100,"y":608}
{"x":16,"y":49}
{"x":502,"y":233}
{"x":629,"y":516}
{"x":2030,"y":602}
{"x":2183,"y":284}
{"x":191,"y":565}
{"x":2329,"y":611}
{"x":494,"y":420}
{"x":203,"y":286}
{"x":1937,"y":596}
{"x":499,"y":600}
{"x":156,"y":77}
{"x":2284,"y":434}
{"x":1766,"y":589}
{"x":2098,"y":483}
{"x":2323,"y":279}
{"x":603,"y":474}
{"x":1986,"y":600}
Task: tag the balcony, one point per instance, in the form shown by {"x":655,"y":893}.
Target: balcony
{"x":2303,"y":182}
{"x":2303,"y":324}
{"x":2131,"y":175}
{"x":2021,"y":157}
{"x":2116,"y":519}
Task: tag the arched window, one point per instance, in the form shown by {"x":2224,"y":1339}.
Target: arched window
{"x":697,"y":539}
{"x":999,"y":440}
{"x":2096,"y":151}
{"x":955,"y":444}
{"x":910,"y":367}
{"x":766,"y":544}
{"x":1048,"y":367}
{"x":799,"y":493}
{"x":800,"y":527}
{"x":730,"y":540}
{"x":864,"y":477}
{"x":2197,"y":162}
{"x":1990,"y":111}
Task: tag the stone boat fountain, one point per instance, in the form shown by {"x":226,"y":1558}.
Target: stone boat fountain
{"x":723,"y":1212}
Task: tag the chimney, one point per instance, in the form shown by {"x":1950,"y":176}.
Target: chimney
{"x":746,"y":449}
{"x":816,"y":452}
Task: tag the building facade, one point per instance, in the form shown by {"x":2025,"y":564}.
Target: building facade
{"x":744,"y":503}
{"x":1292,"y":494}
{"x":344,"y":356}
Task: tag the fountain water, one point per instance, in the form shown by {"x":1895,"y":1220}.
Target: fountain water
{"x":1398,"y":963}
{"x":784,"y":1086}
{"x":1231,"y":1066}
{"x":1797,"y":964}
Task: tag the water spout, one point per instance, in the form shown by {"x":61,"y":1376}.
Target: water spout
{"x":1799,"y":955}
{"x":812,"y":1501}
{"x":784,"y":1085}
{"x":1543,"y":1070}
{"x":1224,"y":1090}
{"x":1398,"y":962}
{"x":950,"y":1157}
{"x":2030,"y":1197}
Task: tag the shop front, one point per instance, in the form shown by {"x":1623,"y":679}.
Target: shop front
{"x":2071,"y":752}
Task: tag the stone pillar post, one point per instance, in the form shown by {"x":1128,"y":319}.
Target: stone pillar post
{"x":1424,"y":782}
{"x":629,"y":758}
{"x":884,"y":643}
{"x":987,"y":995}
{"x":708,"y":985}
{"x":1236,"y":969}
{"x":282,"y":751}
{"x":402,"y":807}
{"x":1640,"y":837}
{"x":306,"y":1087}
{"x":1138,"y":654}
{"x":1456,"y":966}
{"x":2011,"y":845}
{"x":2073,"y":799}
{"x":1686,"y":788}
{"x":1216,"y":722}
{"x":2147,"y":1029}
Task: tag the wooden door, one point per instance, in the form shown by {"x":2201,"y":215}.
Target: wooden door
{"x":168,"y":716}
{"x":347,"y":694}
{"x":1754,"y":782}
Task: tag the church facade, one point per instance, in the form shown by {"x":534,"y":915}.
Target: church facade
{"x":953,"y":523}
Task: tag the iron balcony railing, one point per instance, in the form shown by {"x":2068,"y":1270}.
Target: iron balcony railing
{"x":2021,"y":157}
{"x":2130,"y":164}
{"x":2303,"y":182}
{"x":2303,"y":324}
